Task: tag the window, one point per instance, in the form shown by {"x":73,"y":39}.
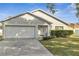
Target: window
{"x":59,"y":27}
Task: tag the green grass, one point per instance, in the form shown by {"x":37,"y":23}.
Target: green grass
{"x":62,"y":46}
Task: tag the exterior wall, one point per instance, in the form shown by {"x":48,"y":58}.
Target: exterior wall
{"x":61,"y":24}
{"x":25,"y":20}
{"x":54,"y":21}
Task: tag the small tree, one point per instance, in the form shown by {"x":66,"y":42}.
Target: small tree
{"x":51,"y":7}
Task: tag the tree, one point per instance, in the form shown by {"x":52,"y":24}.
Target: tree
{"x":77,"y":9}
{"x":51,"y":7}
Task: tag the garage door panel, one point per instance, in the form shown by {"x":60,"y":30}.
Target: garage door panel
{"x":19,"y":32}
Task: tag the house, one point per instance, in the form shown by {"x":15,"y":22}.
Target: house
{"x":75,"y":29}
{"x":25,"y":25}
{"x":32,"y":25}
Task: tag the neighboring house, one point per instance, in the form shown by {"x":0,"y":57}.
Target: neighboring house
{"x":75,"y":29}
{"x":32,"y":25}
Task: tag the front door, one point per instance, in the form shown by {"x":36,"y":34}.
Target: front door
{"x":43,"y":31}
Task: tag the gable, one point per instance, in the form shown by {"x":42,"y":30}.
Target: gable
{"x":55,"y":21}
{"x":25,"y":19}
{"x":48,"y":17}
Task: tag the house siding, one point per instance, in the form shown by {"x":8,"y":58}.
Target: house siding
{"x":25,"y":20}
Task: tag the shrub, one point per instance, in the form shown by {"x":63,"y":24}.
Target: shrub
{"x":61,"y":33}
{"x":46,"y":38}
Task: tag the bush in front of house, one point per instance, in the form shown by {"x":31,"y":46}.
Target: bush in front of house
{"x":61,"y":33}
{"x":47,"y":38}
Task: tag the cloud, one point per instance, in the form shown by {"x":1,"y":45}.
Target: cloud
{"x":69,"y":9}
{"x":68,"y":14}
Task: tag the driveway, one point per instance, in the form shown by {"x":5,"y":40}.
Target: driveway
{"x":22,"y":47}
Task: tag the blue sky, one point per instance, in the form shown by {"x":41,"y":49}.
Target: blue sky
{"x":66,"y":11}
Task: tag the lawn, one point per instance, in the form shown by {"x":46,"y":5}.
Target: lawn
{"x":62,"y":46}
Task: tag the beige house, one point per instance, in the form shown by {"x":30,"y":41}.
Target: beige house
{"x":32,"y":25}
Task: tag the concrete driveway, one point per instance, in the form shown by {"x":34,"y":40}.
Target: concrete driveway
{"x":22,"y":47}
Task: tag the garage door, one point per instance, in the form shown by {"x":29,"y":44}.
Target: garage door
{"x":19,"y":32}
{"x":77,"y":32}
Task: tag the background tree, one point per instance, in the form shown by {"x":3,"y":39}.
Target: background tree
{"x":51,"y":7}
{"x":77,"y":9}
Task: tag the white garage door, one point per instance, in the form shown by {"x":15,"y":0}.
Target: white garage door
{"x":19,"y":32}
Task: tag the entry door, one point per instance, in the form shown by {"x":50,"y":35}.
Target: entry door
{"x":43,"y":30}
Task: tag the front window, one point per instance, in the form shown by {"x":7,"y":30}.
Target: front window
{"x":59,"y":27}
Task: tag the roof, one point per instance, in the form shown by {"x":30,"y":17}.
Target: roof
{"x":74,"y":25}
{"x":38,"y":17}
{"x":51,"y":16}
{"x":24,"y":14}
